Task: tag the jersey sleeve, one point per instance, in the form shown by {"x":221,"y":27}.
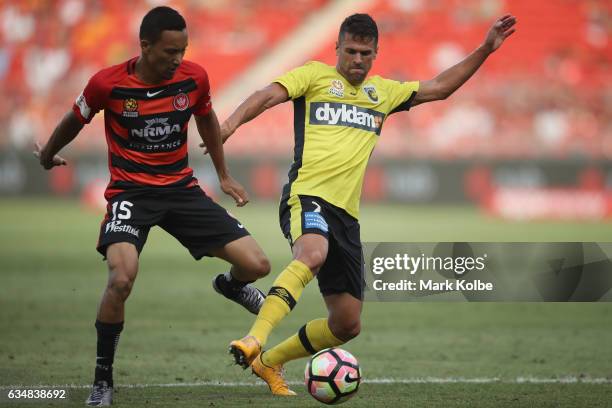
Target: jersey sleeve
{"x":204,"y":104}
{"x":92,"y":99}
{"x":297,"y":81}
{"x":402,"y":94}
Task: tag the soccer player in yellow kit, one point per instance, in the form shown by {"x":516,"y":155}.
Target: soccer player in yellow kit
{"x":339,"y":112}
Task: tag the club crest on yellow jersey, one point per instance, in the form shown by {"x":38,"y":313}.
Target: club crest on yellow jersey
{"x":370,"y":90}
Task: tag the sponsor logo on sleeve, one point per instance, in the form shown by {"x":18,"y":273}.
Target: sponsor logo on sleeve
{"x":84,"y":109}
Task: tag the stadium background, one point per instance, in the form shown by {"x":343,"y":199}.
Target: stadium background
{"x":520,"y":153}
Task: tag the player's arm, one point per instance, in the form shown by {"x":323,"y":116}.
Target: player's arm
{"x":208,"y":128}
{"x":252,"y":107}
{"x":442,"y":86}
{"x":65,"y":132}
{"x":92,"y":100}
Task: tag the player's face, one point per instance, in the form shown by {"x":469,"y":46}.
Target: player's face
{"x":165,"y":56}
{"x":355,"y":57}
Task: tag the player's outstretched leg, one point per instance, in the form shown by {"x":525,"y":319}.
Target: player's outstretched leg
{"x":342,"y":325}
{"x":309,"y":253}
{"x":249,"y":263}
{"x":282,"y":297}
{"x":123,"y":267}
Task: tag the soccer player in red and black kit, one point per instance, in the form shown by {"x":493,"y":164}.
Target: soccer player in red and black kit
{"x":147,"y":104}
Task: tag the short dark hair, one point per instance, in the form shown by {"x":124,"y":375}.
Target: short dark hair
{"x":159,"y":19}
{"x":359,"y":25}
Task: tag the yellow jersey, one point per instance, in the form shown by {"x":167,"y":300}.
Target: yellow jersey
{"x":336,"y":127}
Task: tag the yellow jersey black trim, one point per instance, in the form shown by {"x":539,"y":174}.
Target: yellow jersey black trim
{"x":336,"y":126}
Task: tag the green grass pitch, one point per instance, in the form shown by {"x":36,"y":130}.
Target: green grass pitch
{"x":173,"y":351}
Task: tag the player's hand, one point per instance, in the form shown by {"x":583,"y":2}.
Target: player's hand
{"x":501,"y":29}
{"x":46,"y":162}
{"x":232,"y":188}
{"x":225,"y":134}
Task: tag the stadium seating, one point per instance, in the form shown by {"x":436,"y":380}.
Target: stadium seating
{"x":545,"y":94}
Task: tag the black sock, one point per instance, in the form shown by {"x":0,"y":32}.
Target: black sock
{"x":230,"y":283}
{"x":108,"y":337}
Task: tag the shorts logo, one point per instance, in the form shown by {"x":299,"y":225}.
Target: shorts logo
{"x":370,"y":90}
{"x":314,"y":220}
{"x":130,"y":108}
{"x":238,"y":223}
{"x":337,"y":88}
{"x":117,"y":226}
{"x":181,"y":101}
{"x":318,"y":209}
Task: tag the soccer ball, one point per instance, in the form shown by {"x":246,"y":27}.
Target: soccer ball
{"x":332,"y":376}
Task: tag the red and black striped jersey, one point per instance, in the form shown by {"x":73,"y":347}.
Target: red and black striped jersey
{"x":146,"y":126}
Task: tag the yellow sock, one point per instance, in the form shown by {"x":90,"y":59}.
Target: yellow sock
{"x":282,"y":297}
{"x":312,"y":337}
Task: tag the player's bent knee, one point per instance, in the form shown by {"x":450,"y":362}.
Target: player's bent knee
{"x":313,"y":259}
{"x":345,"y":330}
{"x":261,"y":267}
{"x":257,"y":266}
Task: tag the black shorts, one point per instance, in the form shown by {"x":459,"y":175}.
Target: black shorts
{"x":187,"y":214}
{"x":343,"y":270}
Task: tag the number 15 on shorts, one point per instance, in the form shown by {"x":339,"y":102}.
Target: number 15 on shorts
{"x":124,"y":212}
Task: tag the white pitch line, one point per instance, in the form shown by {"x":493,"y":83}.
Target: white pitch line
{"x":416,"y":380}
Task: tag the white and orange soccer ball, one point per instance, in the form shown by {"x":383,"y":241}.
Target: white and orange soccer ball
{"x":332,"y":376}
